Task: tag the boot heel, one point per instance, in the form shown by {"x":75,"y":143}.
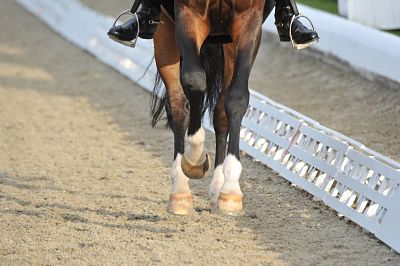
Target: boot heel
{"x":146,"y":36}
{"x":149,"y":30}
{"x":284,"y":38}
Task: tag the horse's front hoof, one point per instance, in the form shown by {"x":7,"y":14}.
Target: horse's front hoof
{"x":180,"y":204}
{"x":230,"y":204}
{"x":195,"y":171}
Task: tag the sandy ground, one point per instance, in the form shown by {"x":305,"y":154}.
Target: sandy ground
{"x":84,"y":178}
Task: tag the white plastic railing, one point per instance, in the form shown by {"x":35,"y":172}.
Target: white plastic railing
{"x":359,"y":183}
{"x":363,"y":187}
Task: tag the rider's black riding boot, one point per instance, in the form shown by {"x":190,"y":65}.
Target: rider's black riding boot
{"x":302,"y":36}
{"x":149,"y":18}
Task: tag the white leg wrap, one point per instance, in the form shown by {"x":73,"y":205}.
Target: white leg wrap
{"x":232,"y":169}
{"x":216,"y":183}
{"x":180,"y":182}
{"x":195,"y":153}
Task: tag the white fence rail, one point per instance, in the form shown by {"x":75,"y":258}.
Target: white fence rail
{"x":361,"y":186}
{"x":357,"y":182}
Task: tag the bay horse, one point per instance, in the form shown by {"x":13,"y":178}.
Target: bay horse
{"x":204,"y":52}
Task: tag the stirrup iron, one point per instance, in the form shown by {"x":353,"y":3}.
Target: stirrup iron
{"x":133,"y":42}
{"x":299,"y":46}
{"x":132,"y":11}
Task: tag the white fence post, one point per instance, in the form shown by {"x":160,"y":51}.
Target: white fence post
{"x":390,"y":228}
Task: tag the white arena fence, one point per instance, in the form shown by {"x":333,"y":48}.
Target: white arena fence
{"x":357,"y":182}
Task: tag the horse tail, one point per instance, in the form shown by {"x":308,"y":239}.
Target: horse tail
{"x":212,"y":61}
{"x":158,"y":102}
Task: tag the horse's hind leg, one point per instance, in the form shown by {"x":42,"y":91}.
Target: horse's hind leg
{"x":220,"y":122}
{"x":191,"y":31}
{"x":167,"y":58}
{"x":246,"y":36}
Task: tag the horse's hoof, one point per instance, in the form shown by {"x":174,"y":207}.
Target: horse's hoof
{"x":230,"y":204}
{"x":180,"y":204}
{"x":195,"y":171}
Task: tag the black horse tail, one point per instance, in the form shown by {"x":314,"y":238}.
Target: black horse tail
{"x":213,"y":62}
{"x":158,"y":102}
